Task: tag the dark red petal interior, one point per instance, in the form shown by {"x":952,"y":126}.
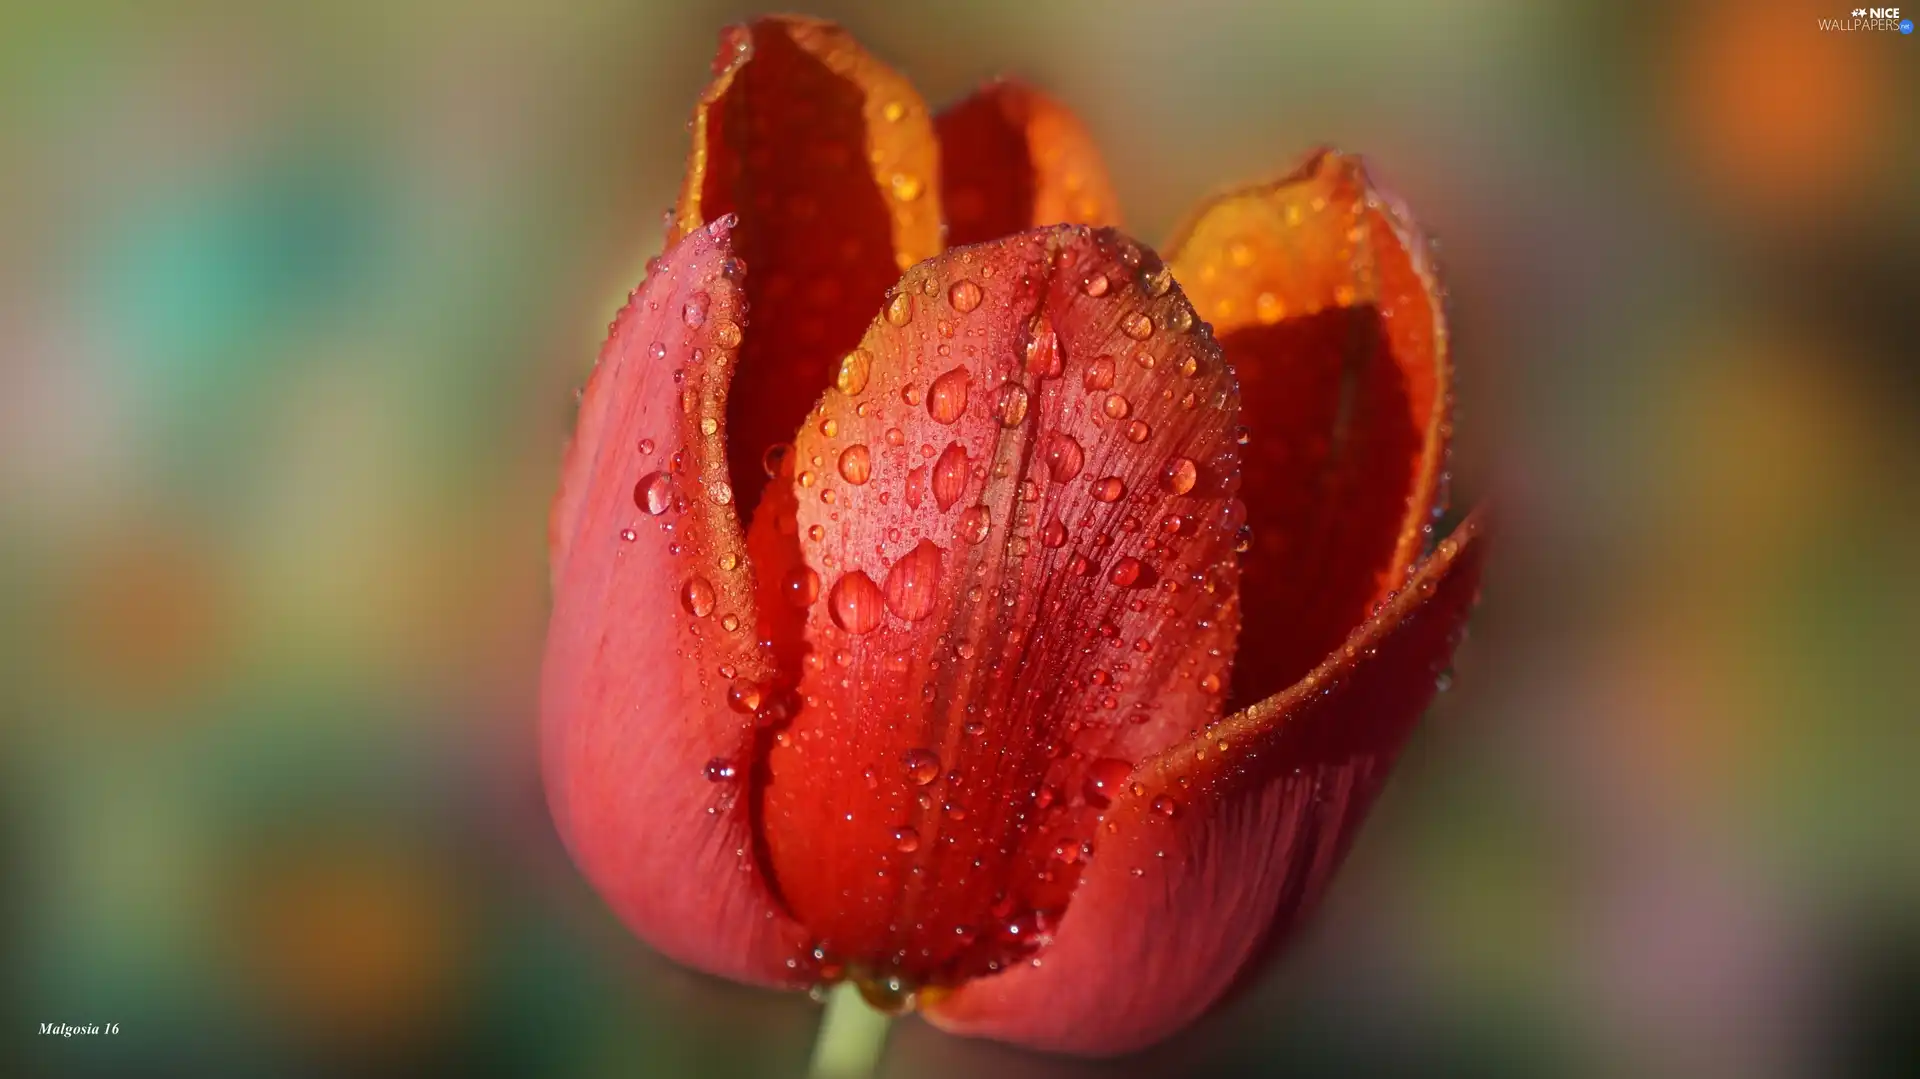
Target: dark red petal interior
{"x":829,"y":159}
{"x":1323,"y":297}
{"x":1020,"y":517}
{"x":1012,"y":158}
{"x":645,"y":749}
{"x":1218,"y":847}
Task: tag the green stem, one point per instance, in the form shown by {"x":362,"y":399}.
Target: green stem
{"x":852,"y":1034}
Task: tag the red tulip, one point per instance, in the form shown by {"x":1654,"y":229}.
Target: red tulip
{"x":958,"y":714}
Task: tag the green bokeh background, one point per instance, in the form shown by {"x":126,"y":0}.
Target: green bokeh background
{"x":294,"y":299}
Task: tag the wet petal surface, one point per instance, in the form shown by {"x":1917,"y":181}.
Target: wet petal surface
{"x":1024,"y":588}
{"x":1322,"y":293}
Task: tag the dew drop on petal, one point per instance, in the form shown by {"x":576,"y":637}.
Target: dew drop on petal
{"x":1137,"y":325}
{"x":719,"y":770}
{"x":947,"y":397}
{"x":1109,"y":489}
{"x":856,"y":464}
{"x":855,"y":602}
{"x":900,"y":309}
{"x":1125,"y":572}
{"x":964,"y":295}
{"x":1104,"y":779}
{"x":1116,"y":406}
{"x":1099,"y":374}
{"x":695,"y":311}
{"x":913,"y":583}
{"x":697,"y":597}
{"x":654,"y":493}
{"x":1054,"y":534}
{"x":906,"y":840}
{"x":855,"y":368}
{"x":950,"y":475}
{"x":1096,"y":286}
{"x":1010,"y":404}
{"x":801,"y":586}
{"x":1063,"y":456}
{"x":975,"y":521}
{"x":923,"y":766}
{"x":1179,"y":475}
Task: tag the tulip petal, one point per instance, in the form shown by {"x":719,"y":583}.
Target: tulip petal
{"x":1321,"y":290}
{"x":1020,"y":523}
{"x":652,"y":664}
{"x":1220,"y":845}
{"x":829,"y":159}
{"x":1012,"y":158}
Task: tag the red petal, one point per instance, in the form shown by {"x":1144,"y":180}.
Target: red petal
{"x":1220,"y":845}
{"x":1323,"y":297}
{"x":652,"y":626}
{"x":828,"y":157}
{"x":996,"y":632}
{"x":1012,"y":158}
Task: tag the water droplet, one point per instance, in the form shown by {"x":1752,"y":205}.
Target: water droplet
{"x":964,"y":295}
{"x":1096,"y":286}
{"x":719,"y":492}
{"x":974,"y":523}
{"x":801,"y":586}
{"x":856,"y":464}
{"x":1109,"y":489}
{"x":1157,"y":280}
{"x":1010,"y":405}
{"x":1210,"y":684}
{"x":654,"y":493}
{"x":1042,"y":348}
{"x":906,"y":840}
{"x":855,"y":367}
{"x":695,"y":311}
{"x":913,"y":583}
{"x":1116,"y":406}
{"x":1125,"y":572}
{"x":923,"y":766}
{"x":1099,"y":374}
{"x":1062,"y":455}
{"x":900,"y":309}
{"x":775,"y":457}
{"x":1137,"y":325}
{"x":646,"y":446}
{"x":697,"y":597}
{"x":745,"y":697}
{"x":1164,"y":805}
{"x":829,"y":427}
{"x":1138,"y":431}
{"x":709,"y":425}
{"x":950,"y":475}
{"x":719,"y":770}
{"x":947,"y":397}
{"x":1054,"y":534}
{"x":855,"y":602}
{"x":1104,"y":779}
{"x":1179,"y":475}
{"x":726,"y":333}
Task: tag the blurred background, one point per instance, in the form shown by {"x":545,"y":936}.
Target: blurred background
{"x":294,"y":299}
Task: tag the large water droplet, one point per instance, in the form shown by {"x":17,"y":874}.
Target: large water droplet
{"x":964,"y":295}
{"x":1096,"y":286}
{"x":1137,"y":325}
{"x":947,"y":397}
{"x":801,"y":586}
{"x":1104,"y":779}
{"x":697,"y":597}
{"x":923,"y":766}
{"x":856,"y":464}
{"x":1109,"y":489}
{"x":974,"y":524}
{"x":695,"y":311}
{"x":1125,"y":572}
{"x":1054,"y":534}
{"x":1116,"y":406}
{"x":1099,"y":374}
{"x":654,"y":493}
{"x":1179,"y":475}
{"x":1042,"y":348}
{"x":1063,"y":456}
{"x":913,"y":583}
{"x":855,"y":602}
{"x":900,"y":309}
{"x":1010,"y":404}
{"x":950,"y":475}
{"x":855,"y":367}
{"x":906,"y":840}
{"x":726,"y":333}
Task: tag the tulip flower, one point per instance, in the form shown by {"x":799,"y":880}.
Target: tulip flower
{"x":955,"y":599}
